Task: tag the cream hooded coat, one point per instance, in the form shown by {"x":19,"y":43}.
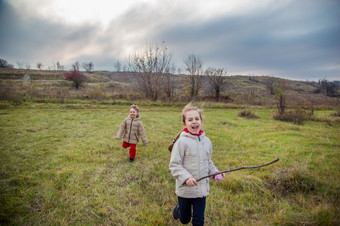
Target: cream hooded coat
{"x":191,"y":157}
{"x":131,"y":129}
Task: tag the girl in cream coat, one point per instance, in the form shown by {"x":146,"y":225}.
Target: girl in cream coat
{"x":190,"y":159}
{"x":131,"y":129}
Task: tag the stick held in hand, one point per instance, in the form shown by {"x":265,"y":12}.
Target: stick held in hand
{"x":240,"y":168}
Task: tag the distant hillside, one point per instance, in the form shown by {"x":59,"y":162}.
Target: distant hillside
{"x":239,"y":89}
{"x":17,"y":74}
{"x":8,"y":73}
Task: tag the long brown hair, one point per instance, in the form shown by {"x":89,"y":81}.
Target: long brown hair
{"x":173,"y":142}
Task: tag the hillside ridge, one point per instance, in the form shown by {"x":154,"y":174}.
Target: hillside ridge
{"x":238,"y":88}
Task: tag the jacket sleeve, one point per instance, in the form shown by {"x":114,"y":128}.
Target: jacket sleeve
{"x":212,"y":167}
{"x":142,"y":133}
{"x":121,"y":130}
{"x":176,"y":163}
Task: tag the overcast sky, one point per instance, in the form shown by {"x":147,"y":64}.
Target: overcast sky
{"x":294,"y":39}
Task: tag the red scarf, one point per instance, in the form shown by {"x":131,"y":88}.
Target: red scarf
{"x":199,"y":133}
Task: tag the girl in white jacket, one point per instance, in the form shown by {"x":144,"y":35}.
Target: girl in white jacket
{"x":190,"y":159}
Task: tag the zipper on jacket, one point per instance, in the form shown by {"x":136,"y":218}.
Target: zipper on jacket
{"x":130,"y":131}
{"x":199,"y":161}
{"x":136,"y":137}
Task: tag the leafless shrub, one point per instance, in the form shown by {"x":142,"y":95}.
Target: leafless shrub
{"x":297,"y":116}
{"x":247,"y":114}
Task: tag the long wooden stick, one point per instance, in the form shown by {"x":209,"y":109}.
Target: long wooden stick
{"x":240,"y":168}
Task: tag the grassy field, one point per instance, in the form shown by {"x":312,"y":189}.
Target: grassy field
{"x":61,"y":165}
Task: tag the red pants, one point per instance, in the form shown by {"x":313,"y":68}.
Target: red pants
{"x":132,"y":149}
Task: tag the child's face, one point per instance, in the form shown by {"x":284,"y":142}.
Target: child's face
{"x":193,"y":121}
{"x":133,"y":113}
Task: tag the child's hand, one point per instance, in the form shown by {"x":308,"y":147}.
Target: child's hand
{"x":191,"y":182}
{"x":219,"y":177}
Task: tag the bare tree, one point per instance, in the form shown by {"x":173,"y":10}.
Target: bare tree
{"x":59,"y":66}
{"x":5,"y":64}
{"x":117,"y":66}
{"x":40,"y":65}
{"x":76,"y":66}
{"x":179,"y":71}
{"x":88,"y":67}
{"x":51,"y":67}
{"x":326,"y":87}
{"x":281,"y":97}
{"x":20,"y":65}
{"x":218,"y":79}
{"x":168,"y":84}
{"x":194,"y":68}
{"x":150,"y":66}
{"x":271,"y":84}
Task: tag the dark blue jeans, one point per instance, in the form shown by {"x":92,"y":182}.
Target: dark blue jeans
{"x":198,"y":207}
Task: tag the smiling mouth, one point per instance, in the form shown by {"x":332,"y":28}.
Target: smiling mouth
{"x":194,"y":127}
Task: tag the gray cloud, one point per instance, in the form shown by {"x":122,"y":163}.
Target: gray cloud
{"x":294,"y":39}
{"x":29,"y":38}
{"x":285,"y":42}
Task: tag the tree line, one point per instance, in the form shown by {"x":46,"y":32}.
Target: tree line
{"x":153,"y":69}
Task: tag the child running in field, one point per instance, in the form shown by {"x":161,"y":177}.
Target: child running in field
{"x":131,"y":129}
{"x":191,"y":160}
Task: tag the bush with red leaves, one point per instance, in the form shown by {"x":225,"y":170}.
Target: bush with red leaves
{"x":76,"y":77}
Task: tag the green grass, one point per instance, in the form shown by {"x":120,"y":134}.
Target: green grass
{"x":61,"y":165}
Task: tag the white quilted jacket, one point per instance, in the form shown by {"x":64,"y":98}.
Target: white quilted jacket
{"x":191,"y":157}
